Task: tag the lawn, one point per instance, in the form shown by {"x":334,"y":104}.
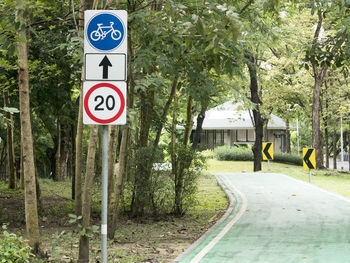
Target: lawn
{"x":335,"y":181}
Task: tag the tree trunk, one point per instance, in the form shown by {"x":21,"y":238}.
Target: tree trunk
{"x":10,"y":145}
{"x":142,"y":186}
{"x":287,"y":136}
{"x":71,"y":160}
{"x":113,"y":144}
{"x":31,"y":210}
{"x":88,"y":185}
{"x":79,"y":132}
{"x":335,"y":147}
{"x":316,"y":125}
{"x":258,"y":121}
{"x":181,"y":164}
{"x":197,"y":134}
{"x":165,"y":111}
{"x":119,"y":183}
{"x":21,"y":175}
{"x":58,"y":173}
{"x":327,"y":145}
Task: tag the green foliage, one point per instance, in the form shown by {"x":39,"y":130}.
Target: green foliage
{"x":288,"y":158}
{"x":13,"y":249}
{"x":225,"y":153}
{"x":192,"y":163}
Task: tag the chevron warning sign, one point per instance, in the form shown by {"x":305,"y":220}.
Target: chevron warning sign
{"x":309,"y":158}
{"x":267,"y":151}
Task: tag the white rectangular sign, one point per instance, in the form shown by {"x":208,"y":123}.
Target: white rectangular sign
{"x":105,"y":67}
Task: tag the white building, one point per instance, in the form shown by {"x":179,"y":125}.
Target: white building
{"x":230,"y":124}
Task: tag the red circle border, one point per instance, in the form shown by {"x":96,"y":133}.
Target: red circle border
{"x":104,"y":85}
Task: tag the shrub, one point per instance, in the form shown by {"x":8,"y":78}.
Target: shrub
{"x":288,"y":158}
{"x":225,"y":153}
{"x":13,"y":249}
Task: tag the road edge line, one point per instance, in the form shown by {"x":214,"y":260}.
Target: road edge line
{"x":227,"y":227}
{"x":334,"y":194}
{"x":233,"y":202}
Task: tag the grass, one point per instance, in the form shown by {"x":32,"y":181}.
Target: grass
{"x":145,"y":240}
{"x":335,"y":181}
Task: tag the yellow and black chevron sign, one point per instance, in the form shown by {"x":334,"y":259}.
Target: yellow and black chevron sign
{"x":267,"y":151}
{"x":309,"y":158}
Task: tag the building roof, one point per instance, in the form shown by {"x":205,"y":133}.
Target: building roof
{"x":235,"y":116}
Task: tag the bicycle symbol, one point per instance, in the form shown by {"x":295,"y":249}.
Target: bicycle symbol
{"x":102,"y":31}
{"x":105,"y":31}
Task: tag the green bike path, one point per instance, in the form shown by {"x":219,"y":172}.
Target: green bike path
{"x":278,"y":219}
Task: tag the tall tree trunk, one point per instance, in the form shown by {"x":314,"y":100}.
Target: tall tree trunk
{"x":71,"y":160}
{"x":165,"y":111}
{"x":112,"y":148}
{"x":327,"y":145}
{"x":319,"y":74}
{"x":181,"y":164}
{"x":258,"y":121}
{"x":31,"y":209}
{"x":142,"y":189}
{"x":325,"y":120}
{"x":88,"y":185}
{"x":119,"y":183}
{"x":58,"y":173}
{"x":316,"y":124}
{"x":79,"y":131}
{"x":10,"y":145}
{"x":335,"y":147}
{"x":200,"y":120}
{"x":21,"y":175}
{"x":287,"y":136}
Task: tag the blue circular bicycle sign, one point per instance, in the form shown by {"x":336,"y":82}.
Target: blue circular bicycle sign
{"x":105,"y":31}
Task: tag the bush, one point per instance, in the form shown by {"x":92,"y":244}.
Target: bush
{"x":13,"y":249}
{"x":225,"y":153}
{"x":288,"y":158}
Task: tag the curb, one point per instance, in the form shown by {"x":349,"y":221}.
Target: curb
{"x":228,"y":212}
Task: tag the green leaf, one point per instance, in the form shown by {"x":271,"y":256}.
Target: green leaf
{"x":10,"y":110}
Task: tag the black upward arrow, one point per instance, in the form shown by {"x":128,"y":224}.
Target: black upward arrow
{"x":266,"y":151}
{"x":105,"y":63}
{"x":307,"y":160}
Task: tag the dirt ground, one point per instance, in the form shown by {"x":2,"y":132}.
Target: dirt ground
{"x":147,"y":240}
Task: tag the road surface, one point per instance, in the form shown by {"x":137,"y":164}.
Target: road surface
{"x":277,"y":219}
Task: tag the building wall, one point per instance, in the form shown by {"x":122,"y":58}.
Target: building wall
{"x":212,"y":138}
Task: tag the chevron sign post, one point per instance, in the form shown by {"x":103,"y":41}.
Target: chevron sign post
{"x":267,"y":152}
{"x":309,"y":160}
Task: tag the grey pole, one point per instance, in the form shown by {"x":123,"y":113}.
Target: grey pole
{"x":268,"y":164}
{"x":309,"y":175}
{"x":104,"y":193}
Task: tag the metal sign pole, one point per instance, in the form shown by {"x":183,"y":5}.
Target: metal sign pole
{"x":268,"y":164}
{"x":104,"y":193}
{"x":309,"y":175}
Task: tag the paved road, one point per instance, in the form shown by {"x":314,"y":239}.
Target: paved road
{"x":278,"y":219}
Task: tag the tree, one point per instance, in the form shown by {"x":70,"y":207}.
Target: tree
{"x":31,"y":210}
{"x":326,"y":50}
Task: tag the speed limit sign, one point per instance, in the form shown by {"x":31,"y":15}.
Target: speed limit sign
{"x":104,"y":103}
